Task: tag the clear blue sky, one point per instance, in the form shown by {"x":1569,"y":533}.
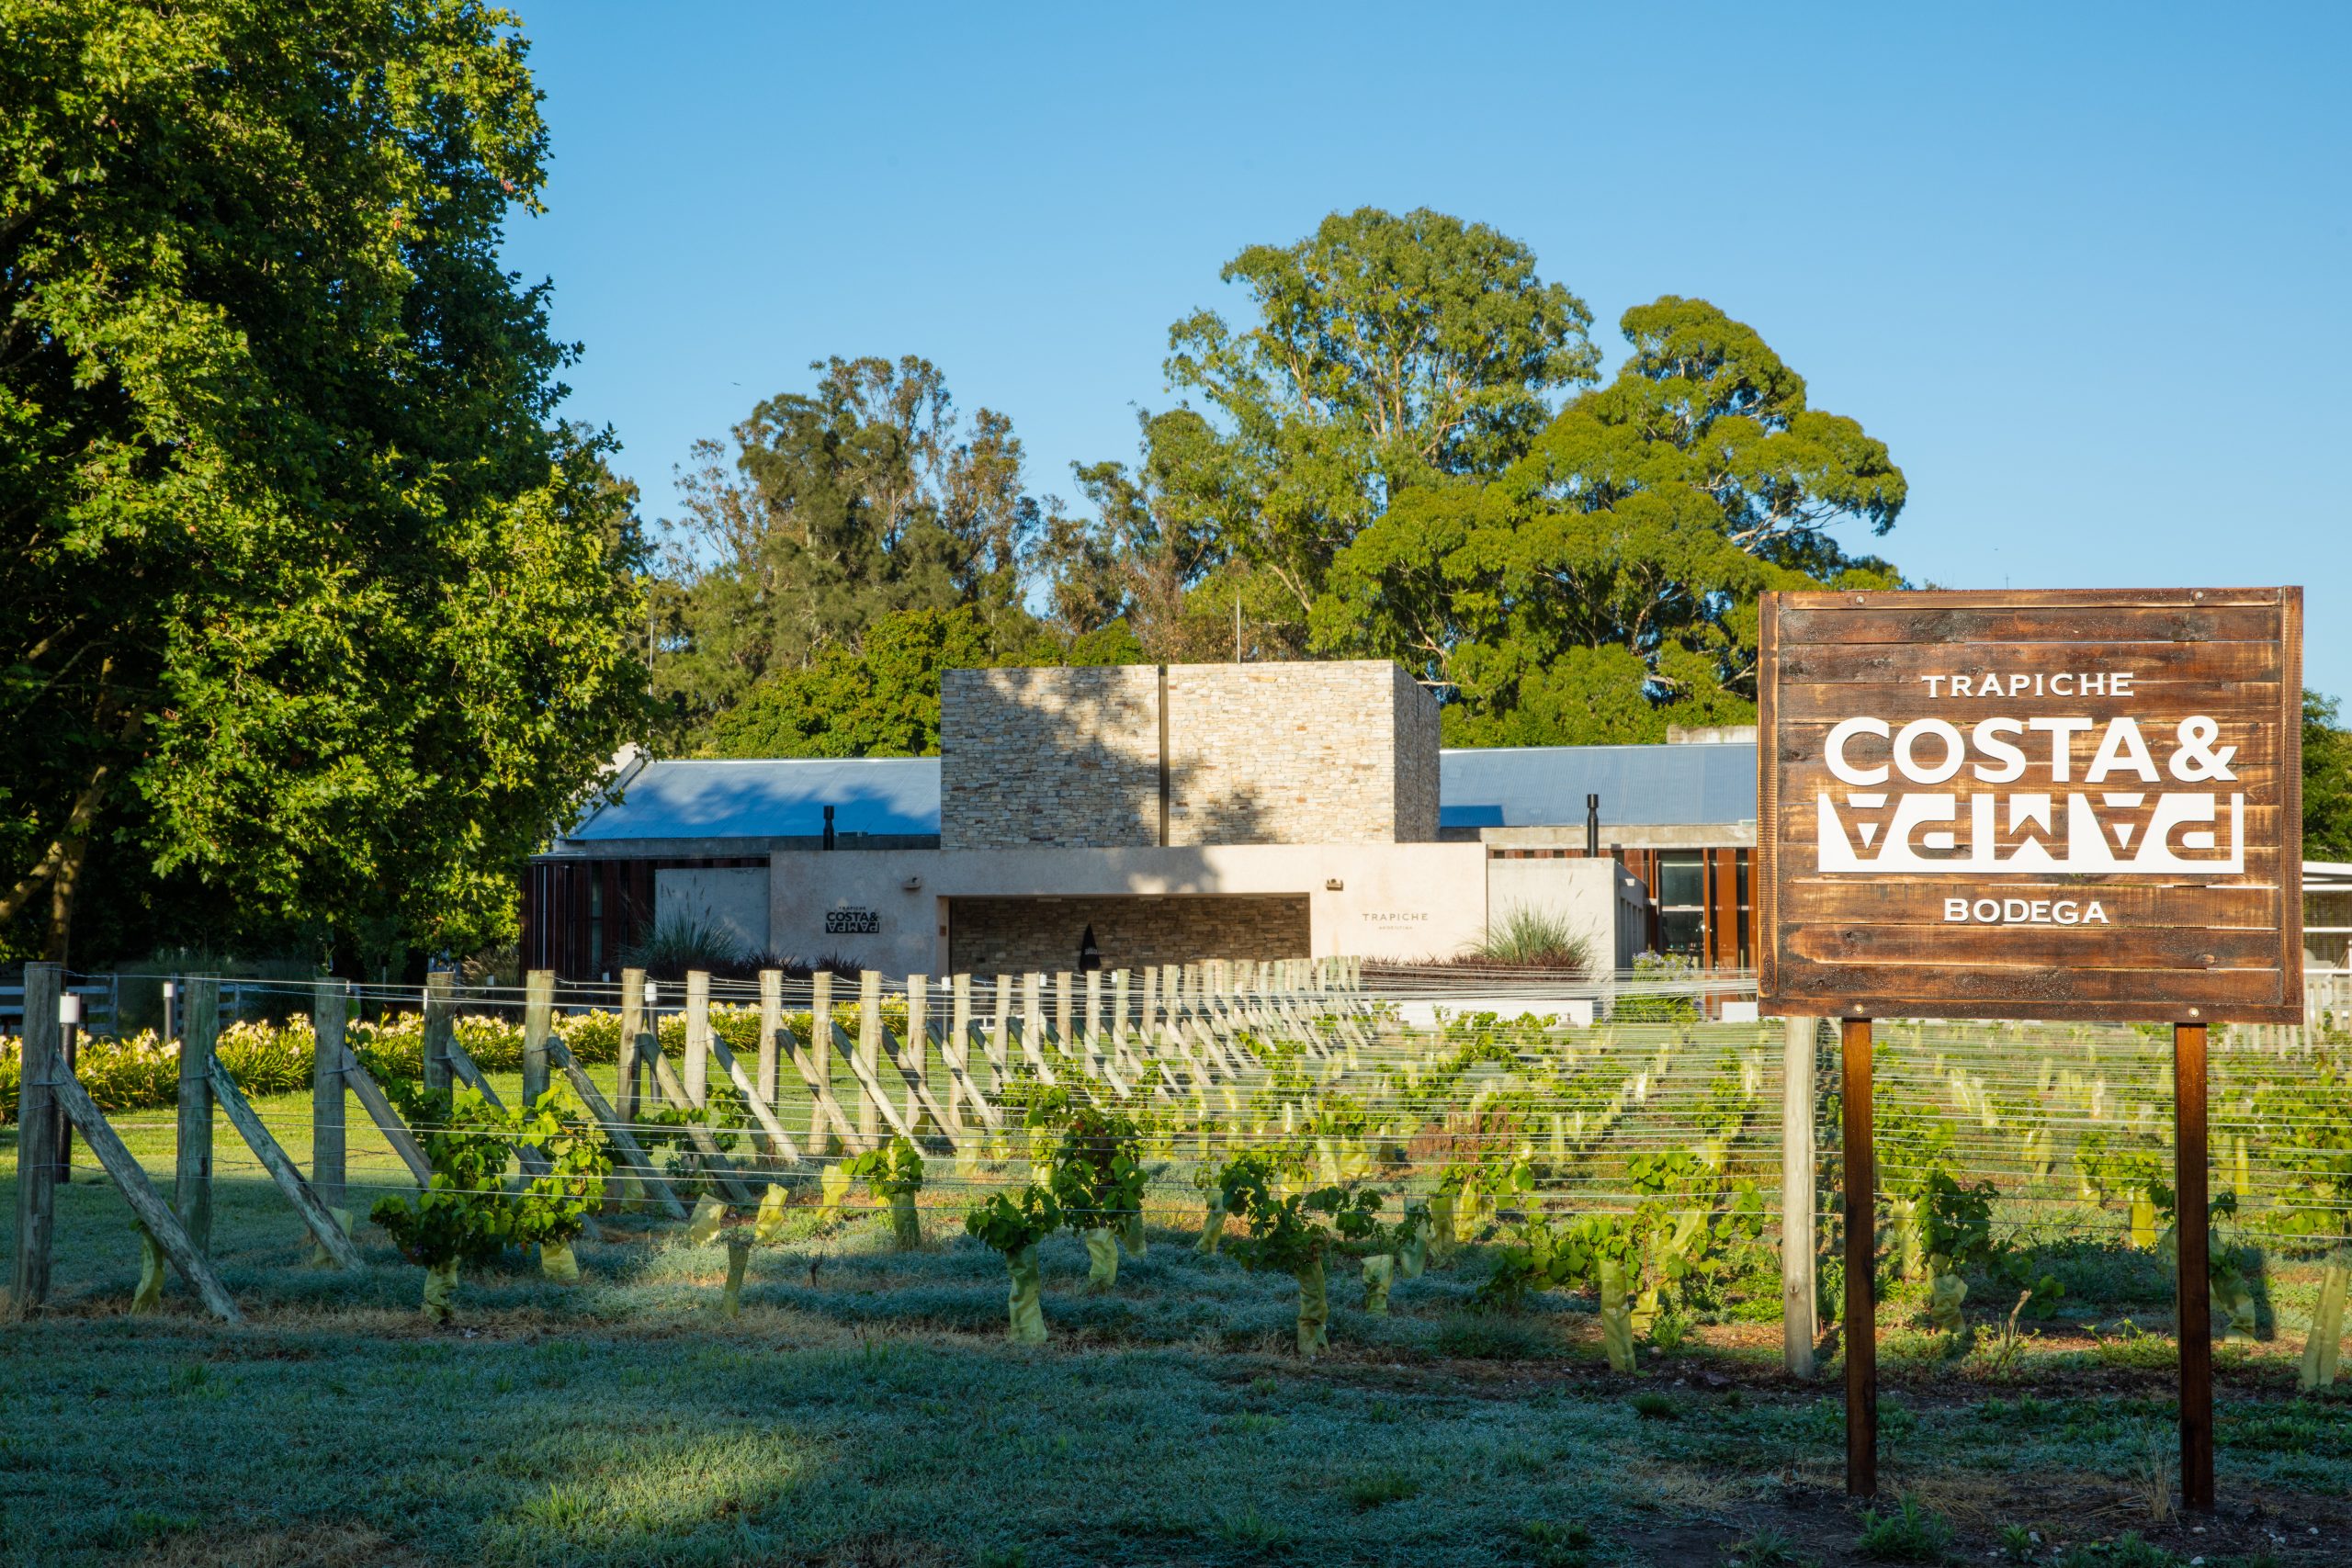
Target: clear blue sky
{"x":2083,"y":267}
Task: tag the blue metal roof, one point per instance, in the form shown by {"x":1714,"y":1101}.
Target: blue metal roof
{"x":1640,"y":786}
{"x":770,"y":799}
{"x":1528,"y":786}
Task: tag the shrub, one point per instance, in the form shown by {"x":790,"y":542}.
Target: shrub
{"x":1530,"y":937}
{"x":1910,"y":1534}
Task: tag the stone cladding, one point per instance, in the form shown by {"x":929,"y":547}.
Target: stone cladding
{"x":1019,"y":936}
{"x":1306,"y":752}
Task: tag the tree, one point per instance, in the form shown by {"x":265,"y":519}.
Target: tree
{"x":1391,"y":352}
{"x":1606,"y":583}
{"x":868,"y":497}
{"x":883,"y":699}
{"x":1144,"y":558}
{"x":314,"y":606}
{"x":2328,"y":781}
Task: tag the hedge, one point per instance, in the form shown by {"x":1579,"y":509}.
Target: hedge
{"x":141,"y":1070}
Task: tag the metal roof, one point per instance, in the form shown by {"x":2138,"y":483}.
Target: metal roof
{"x":1640,"y":786}
{"x":768,"y":799}
{"x":1523,"y":786}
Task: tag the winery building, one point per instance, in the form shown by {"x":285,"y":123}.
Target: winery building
{"x":1172,"y":813}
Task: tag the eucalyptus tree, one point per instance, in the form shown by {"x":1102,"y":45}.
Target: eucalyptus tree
{"x":1606,"y":582}
{"x":830,"y":510}
{"x":1389,"y":354}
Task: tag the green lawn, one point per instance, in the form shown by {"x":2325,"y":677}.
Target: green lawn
{"x":864,"y":1409}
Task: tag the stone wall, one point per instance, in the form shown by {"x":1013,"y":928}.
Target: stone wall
{"x":1068,"y":758}
{"x":1417,"y":768}
{"x":1337,"y":752}
{"x":1019,"y":936}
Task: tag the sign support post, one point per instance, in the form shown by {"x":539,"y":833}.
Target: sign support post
{"x":2193,"y":1316}
{"x":1859,"y":1309}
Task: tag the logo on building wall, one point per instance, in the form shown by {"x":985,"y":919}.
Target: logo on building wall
{"x":852,"y":922}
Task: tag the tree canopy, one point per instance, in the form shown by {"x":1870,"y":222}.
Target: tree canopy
{"x":839,"y":508}
{"x":882,"y":700}
{"x":318,"y":615}
{"x":2327,"y":780}
{"x":1606,"y":583}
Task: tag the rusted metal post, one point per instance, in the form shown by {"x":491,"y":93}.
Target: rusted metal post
{"x":1860,"y":1305}
{"x":2194,"y":1314}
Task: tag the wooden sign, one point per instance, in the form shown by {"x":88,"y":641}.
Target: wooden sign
{"x":2033,"y":805}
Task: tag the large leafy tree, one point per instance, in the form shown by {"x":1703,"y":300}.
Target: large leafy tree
{"x":835,"y":509}
{"x":315,"y":612}
{"x":883,"y":699}
{"x":1390,"y":353}
{"x":2327,"y":780}
{"x":1606,"y":583}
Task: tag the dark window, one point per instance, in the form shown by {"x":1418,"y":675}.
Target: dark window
{"x":1682,"y":904}
{"x":1682,"y":931}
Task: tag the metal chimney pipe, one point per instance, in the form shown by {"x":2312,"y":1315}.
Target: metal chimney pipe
{"x":1592,"y":826}
{"x":828,"y":827}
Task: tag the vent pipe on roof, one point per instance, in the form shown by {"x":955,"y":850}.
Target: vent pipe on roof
{"x":828,"y":827}
{"x":1592,"y":826}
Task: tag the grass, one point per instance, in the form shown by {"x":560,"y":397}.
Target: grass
{"x":1532,"y":937}
{"x":864,"y":1409}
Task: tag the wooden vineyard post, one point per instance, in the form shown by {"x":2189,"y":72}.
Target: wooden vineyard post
{"x":1062,"y":1012}
{"x":1118,"y":1012}
{"x":869,"y":1056}
{"x":1000,"y":1031}
{"x":36,"y":1135}
{"x":771,"y":1028}
{"x":1860,"y":1307}
{"x":328,"y":1170}
{"x":697,"y":1065}
{"x":632,"y":1026}
{"x":1799,"y":1325}
{"x":821,"y":1043}
{"x":2194,"y":1315}
{"x":538,"y":1022}
{"x":1093,"y":1035}
{"x":192,"y":1173}
{"x":958,"y":1049}
{"x":440,"y":1026}
{"x":914,"y":1059}
{"x":132,"y":1183}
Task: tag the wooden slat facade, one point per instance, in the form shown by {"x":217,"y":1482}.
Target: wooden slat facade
{"x":581,"y":914}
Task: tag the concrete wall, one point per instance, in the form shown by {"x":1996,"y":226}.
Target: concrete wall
{"x":1403,"y":901}
{"x":1594,"y":897}
{"x":1307,"y":752}
{"x":736,"y":900}
{"x":1020,"y":936}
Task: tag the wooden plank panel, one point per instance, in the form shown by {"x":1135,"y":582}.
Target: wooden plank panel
{"x":2140,"y":902}
{"x":1901,"y":664}
{"x":2034,"y":947}
{"x":1866,"y":933}
{"x":1825,"y":702}
{"x":2246,"y":623}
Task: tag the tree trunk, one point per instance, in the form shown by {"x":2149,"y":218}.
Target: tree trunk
{"x":63,"y":887}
